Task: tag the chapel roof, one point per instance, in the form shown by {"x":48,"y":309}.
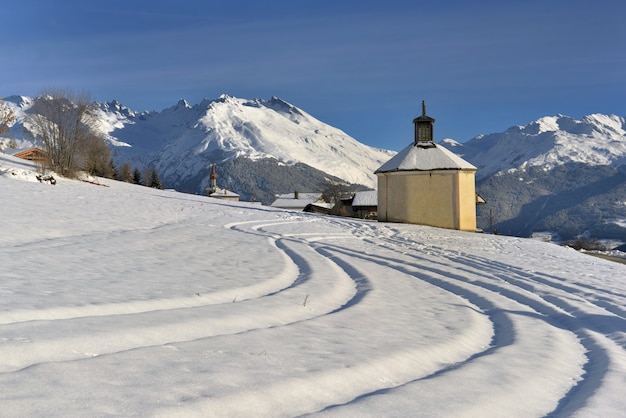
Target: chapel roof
{"x":418,"y":158}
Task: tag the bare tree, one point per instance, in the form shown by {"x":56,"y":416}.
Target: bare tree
{"x":335,"y":190}
{"x":95,"y":156}
{"x":113,"y":173}
{"x":66,"y":124}
{"x":147,"y":176}
{"x":125,"y":173}
{"x":151,"y":178}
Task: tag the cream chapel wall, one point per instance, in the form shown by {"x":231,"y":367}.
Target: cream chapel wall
{"x":467,"y":200}
{"x":427,"y":198}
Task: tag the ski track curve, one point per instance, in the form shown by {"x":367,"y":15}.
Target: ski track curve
{"x":598,"y":329}
{"x":272,"y":285}
{"x":120,"y":327}
{"x":363,"y":377}
{"x":326,"y":281}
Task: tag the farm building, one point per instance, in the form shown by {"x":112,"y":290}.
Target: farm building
{"x":300,"y":201}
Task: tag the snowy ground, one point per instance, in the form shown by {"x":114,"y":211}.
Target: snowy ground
{"x":129,"y":301}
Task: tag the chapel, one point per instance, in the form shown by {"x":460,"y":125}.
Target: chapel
{"x":427,"y":184}
{"x":213,"y":191}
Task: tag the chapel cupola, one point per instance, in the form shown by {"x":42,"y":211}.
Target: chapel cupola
{"x":424,"y":129}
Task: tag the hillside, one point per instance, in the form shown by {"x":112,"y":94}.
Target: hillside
{"x":131,"y":301}
{"x":554,"y":174}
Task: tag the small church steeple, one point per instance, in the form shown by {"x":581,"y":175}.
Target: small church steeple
{"x":424,"y":129}
{"x":213,"y":180}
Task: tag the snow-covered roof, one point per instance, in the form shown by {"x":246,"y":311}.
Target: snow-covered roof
{"x":289,"y":200}
{"x":419,"y":158}
{"x":365,"y":198}
{"x":223,"y":193}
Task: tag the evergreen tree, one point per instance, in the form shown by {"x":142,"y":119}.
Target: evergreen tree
{"x":156,"y":182}
{"x":136,"y":176}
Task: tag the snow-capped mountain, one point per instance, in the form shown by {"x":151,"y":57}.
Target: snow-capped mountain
{"x":554,"y":174}
{"x":181,"y":142}
{"x":185,"y":139}
{"x":595,"y":140}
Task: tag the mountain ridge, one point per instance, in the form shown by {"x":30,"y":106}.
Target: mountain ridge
{"x":187,"y":135}
{"x":554,"y":174}
{"x":549,"y":141}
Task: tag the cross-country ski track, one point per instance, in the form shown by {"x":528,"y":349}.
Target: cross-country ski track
{"x":195,"y":307}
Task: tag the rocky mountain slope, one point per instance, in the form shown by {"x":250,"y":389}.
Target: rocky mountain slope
{"x":555,"y":174}
{"x":272,"y":142}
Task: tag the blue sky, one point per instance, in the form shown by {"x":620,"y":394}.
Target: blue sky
{"x":362,"y":66}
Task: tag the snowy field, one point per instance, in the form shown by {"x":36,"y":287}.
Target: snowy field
{"x":130,"y":301}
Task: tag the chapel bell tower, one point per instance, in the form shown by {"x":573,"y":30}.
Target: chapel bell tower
{"x":213,"y":180}
{"x":424,"y":129}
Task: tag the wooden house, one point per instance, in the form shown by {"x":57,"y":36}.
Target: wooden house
{"x":34,"y":154}
{"x":322,"y":207}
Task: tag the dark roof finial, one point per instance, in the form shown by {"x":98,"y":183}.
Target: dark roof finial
{"x":424,"y":118}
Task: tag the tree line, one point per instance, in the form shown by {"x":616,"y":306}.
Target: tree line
{"x":148,"y":177}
